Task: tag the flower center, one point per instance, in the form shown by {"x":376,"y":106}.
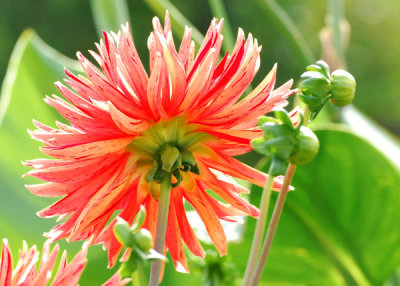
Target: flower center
{"x":167,"y":149}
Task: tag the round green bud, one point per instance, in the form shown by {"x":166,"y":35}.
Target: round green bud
{"x":343,"y":87}
{"x":306,"y":148}
{"x":123,"y":233}
{"x":143,"y":239}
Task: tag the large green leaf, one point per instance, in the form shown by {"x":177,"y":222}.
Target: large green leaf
{"x":341,"y":225}
{"x":33,"y":68}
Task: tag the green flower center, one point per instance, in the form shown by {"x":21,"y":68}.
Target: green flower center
{"x":168,"y":148}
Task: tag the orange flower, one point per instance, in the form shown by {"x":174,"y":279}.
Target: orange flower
{"x":110,"y":158}
{"x":25,"y":273}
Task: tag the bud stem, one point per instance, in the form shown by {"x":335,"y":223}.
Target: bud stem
{"x":273,"y":225}
{"x":138,"y":277}
{"x":161,"y":230}
{"x":260,"y":228}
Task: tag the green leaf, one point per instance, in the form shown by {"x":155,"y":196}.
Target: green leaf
{"x":341,"y":224}
{"x":373,"y":132}
{"x":33,"y":68}
{"x":109,"y":15}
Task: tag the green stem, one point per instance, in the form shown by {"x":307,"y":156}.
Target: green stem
{"x":138,"y":277}
{"x":161,"y":230}
{"x":260,"y":228}
{"x":307,"y":115}
{"x":289,"y":30}
{"x":335,"y":18}
{"x":273,"y":225}
{"x":219,"y":11}
{"x":178,"y":20}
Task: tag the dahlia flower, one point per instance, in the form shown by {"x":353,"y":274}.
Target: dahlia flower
{"x":25,"y":273}
{"x":122,"y":118}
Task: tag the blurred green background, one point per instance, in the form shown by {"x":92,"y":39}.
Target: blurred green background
{"x":340,"y":227}
{"x":373,"y":54}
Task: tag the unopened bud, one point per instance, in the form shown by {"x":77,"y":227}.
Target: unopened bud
{"x":143,"y":240}
{"x":315,"y":84}
{"x":307,"y":147}
{"x":123,"y":233}
{"x":343,"y":88}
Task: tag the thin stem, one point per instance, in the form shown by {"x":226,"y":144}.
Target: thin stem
{"x":161,"y":230}
{"x":335,"y":18}
{"x":219,"y":11}
{"x":289,"y":30}
{"x":260,"y":228}
{"x":138,"y":277}
{"x":273,"y":224}
{"x":307,"y":114}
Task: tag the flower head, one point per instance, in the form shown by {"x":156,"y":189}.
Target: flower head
{"x":25,"y":273}
{"x":130,"y":127}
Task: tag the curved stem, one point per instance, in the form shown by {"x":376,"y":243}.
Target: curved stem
{"x":273,"y":224}
{"x":335,"y":14}
{"x":260,"y":228}
{"x":161,"y":230}
{"x":289,"y":29}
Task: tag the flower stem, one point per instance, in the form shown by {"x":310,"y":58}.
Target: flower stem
{"x":260,"y":228}
{"x":138,"y":278}
{"x":273,"y":224}
{"x":307,"y":114}
{"x":335,"y":14}
{"x":162,"y":221}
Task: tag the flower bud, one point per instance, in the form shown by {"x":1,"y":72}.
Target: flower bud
{"x":280,"y":140}
{"x":315,"y":84}
{"x":320,"y":66}
{"x":307,"y":147}
{"x":143,"y":240}
{"x":343,"y":87}
{"x":123,"y":233}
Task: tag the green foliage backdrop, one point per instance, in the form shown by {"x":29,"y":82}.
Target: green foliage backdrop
{"x":340,"y":226}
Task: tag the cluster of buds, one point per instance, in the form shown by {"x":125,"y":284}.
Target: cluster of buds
{"x":285,"y":141}
{"x":319,"y":85}
{"x":138,"y":240}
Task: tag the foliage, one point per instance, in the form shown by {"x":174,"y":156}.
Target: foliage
{"x":339,"y":226}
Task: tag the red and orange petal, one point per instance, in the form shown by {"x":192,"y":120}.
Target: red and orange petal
{"x":97,"y":175}
{"x":26,"y":272}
